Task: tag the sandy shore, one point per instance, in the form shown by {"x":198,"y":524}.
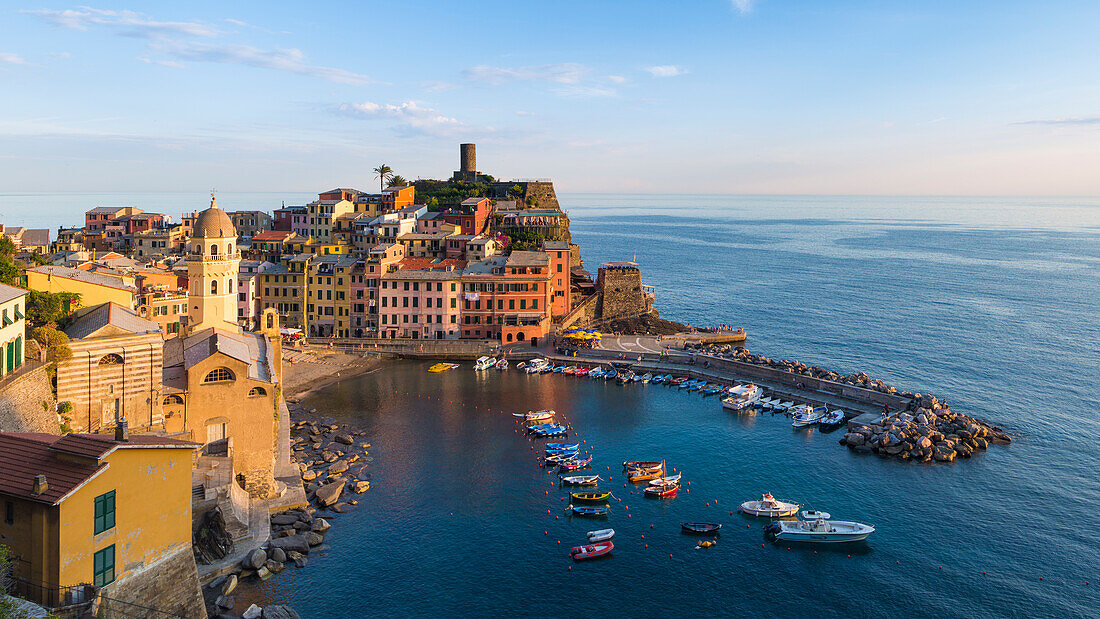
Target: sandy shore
{"x":305,"y":371}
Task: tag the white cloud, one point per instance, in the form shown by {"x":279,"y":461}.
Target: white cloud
{"x":562,"y":73}
{"x":126,"y":23}
{"x":524,"y":113}
{"x":291,"y":60}
{"x":9,"y":58}
{"x":742,"y":6}
{"x":410,"y":116}
{"x":665,"y":70}
{"x":616,"y":79}
{"x":1078,"y":121}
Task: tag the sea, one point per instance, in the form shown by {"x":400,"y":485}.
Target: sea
{"x":987,"y":303}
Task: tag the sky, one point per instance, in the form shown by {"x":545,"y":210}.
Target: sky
{"x":705,"y":96}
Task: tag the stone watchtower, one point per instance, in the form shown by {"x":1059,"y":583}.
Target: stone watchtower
{"x":212,"y":269}
{"x":467,"y":163}
{"x":621,"y":290}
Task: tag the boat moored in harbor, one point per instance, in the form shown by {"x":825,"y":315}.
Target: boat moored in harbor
{"x":742,"y":397}
{"x":818,"y":531}
{"x":769,"y":506}
{"x":591,"y":551}
{"x":601,"y":535}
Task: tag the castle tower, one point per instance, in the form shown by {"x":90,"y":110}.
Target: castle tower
{"x":467,"y":163}
{"x":212,"y":269}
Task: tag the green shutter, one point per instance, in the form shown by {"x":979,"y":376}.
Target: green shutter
{"x":105,"y":512}
{"x":104,"y":566}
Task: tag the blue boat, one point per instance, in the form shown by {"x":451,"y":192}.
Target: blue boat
{"x":573,"y":465}
{"x":558,"y":453}
{"x":550,"y":446}
{"x":689,"y":384}
{"x":544,"y":426}
{"x":714,"y":390}
{"x":551,"y":432}
{"x":590,"y":510}
{"x":558,"y":369}
{"x":611,"y":375}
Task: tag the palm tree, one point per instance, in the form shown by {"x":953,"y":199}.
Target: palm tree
{"x":397,"y":181}
{"x":382,"y":173}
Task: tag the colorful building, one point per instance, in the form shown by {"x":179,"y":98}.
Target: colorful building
{"x":560,"y":254}
{"x":89,"y":515}
{"x":420,"y":299}
{"x":93,"y":288}
{"x":507,"y":298}
{"x":13,"y":328}
{"x":328,"y":296}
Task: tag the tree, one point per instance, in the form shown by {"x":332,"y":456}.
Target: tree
{"x":382,"y":173}
{"x":397,"y":181}
{"x":54,"y":341}
{"x":9,"y":273}
{"x":46,"y":307}
{"x":515,"y":192}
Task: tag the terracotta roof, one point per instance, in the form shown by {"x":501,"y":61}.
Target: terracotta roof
{"x":25,"y":455}
{"x":272,"y":235}
{"x":430,"y":263}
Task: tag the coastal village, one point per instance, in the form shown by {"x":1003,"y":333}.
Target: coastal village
{"x":152,"y":451}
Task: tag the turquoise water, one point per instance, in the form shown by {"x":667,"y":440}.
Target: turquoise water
{"x":987,"y":302}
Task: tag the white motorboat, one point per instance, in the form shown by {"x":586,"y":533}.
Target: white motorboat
{"x":601,"y":535}
{"x":597,"y":373}
{"x":832,"y":419}
{"x":742,"y":397}
{"x":502,"y":364}
{"x":806,"y":415}
{"x":766,"y":403}
{"x":769,"y":506}
{"x":818,"y":530}
{"x":811,"y":514}
{"x":543,"y":415}
{"x":535,"y":366}
{"x":484,"y":363}
{"x":783,"y":406}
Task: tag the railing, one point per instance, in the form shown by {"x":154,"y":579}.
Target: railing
{"x":52,"y":596}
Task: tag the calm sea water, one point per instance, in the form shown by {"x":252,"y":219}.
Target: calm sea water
{"x":989,"y":303}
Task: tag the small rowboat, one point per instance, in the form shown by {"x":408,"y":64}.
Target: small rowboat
{"x":546,"y":415}
{"x":700,"y":527}
{"x":667,"y":491}
{"x":675,"y":479}
{"x":644,"y":475}
{"x":590,"y":510}
{"x":544,"y":426}
{"x":591,"y":551}
{"x":574,"y":465}
{"x":641,"y":464}
{"x":589,"y":496}
{"x":563,"y":445}
{"x":551,"y":432}
{"x":581,"y":480}
{"x":562,"y":452}
{"x":558,"y":459}
{"x":601,"y":536}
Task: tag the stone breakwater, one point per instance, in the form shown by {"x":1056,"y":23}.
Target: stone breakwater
{"x":934,"y":433}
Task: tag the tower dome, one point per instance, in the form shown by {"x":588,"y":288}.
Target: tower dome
{"x":213,"y":223}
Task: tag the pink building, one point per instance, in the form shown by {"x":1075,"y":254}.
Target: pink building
{"x":420,"y":300}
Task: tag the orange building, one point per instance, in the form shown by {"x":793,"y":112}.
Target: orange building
{"x":507,"y":298}
{"x":559,"y":253}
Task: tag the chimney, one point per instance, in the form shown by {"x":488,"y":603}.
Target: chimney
{"x":122,"y":431}
{"x":40,"y":486}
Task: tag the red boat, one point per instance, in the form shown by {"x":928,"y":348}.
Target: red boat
{"x":664,"y":491}
{"x":591,"y":551}
{"x":582,"y":372}
{"x":679,"y":380}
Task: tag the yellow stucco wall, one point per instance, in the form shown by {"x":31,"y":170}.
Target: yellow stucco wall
{"x":152,"y":513}
{"x":90,"y":294}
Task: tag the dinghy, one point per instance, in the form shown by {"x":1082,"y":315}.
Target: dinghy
{"x":591,"y":551}
{"x":591,"y":497}
{"x":546,"y":415}
{"x":442,"y":367}
{"x":563,"y":446}
{"x":832,"y":420}
{"x":664,"y":491}
{"x":502,"y":364}
{"x":575,"y":465}
{"x":702,"y":528}
{"x":590,"y":510}
{"x":581,"y":480}
{"x":806,"y":416}
{"x":642,"y":464}
{"x":675,"y":479}
{"x":602,"y":535}
{"x":639,"y":476}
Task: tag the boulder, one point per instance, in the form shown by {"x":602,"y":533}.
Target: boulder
{"x":284,"y":519}
{"x":923,"y":442}
{"x":329,"y":456}
{"x":230,"y":584}
{"x":294,"y":555}
{"x":263,"y":573}
{"x":894,"y":450}
{"x":225,"y":602}
{"x":278,"y":611}
{"x":278,"y":555}
{"x":320,"y":525}
{"x":301,"y":562}
{"x":1000,"y":438}
{"x":314,"y":539}
{"x":309,"y":475}
{"x":343,"y":508}
{"x":255,"y":559}
{"x":963,"y":450}
{"x":295,"y":543}
{"x":253,"y":612}
{"x":329,"y":493}
{"x":273,"y":567}
{"x":346,"y":439}
{"x":982,"y":443}
{"x":943,"y":454}
{"x":338,"y":467}
{"x":854,"y":438}
{"x":361,"y":486}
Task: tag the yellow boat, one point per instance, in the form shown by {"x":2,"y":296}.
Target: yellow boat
{"x":442,"y":367}
{"x":645,"y":475}
{"x":589,"y":496}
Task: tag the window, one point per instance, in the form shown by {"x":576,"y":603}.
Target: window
{"x":110,"y":359}
{"x":9,"y":513}
{"x":213,"y":286}
{"x":105,"y":512}
{"x":172,"y":399}
{"x":104,"y":566}
{"x":256,"y":392}
{"x":218,"y":375}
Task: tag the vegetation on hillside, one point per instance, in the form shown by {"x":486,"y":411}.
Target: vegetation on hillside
{"x":441,"y":195}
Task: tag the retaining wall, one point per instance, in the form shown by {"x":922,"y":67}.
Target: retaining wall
{"x":22,"y":395}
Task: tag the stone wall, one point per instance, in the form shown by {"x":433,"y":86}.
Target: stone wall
{"x":621,"y":293}
{"x":170,"y":585}
{"x":27,"y":402}
{"x":541,"y":191}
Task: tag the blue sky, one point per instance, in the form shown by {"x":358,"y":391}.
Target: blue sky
{"x":711,"y":96}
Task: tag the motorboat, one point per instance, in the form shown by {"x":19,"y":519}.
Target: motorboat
{"x":544,"y":415}
{"x":560,"y":458}
{"x":562,"y":452}
{"x":664,"y":491}
{"x":502,"y":364}
{"x":714,"y":390}
{"x":484,"y":363}
{"x":679,"y":380}
{"x":575,"y":465}
{"x":813,"y":514}
{"x":550,"y":446}
{"x":832,"y":420}
{"x":596,"y":373}
{"x":637,"y":378}
{"x":590,"y":510}
{"x":602,"y":535}
{"x":569,"y":369}
{"x":442,"y":367}
{"x":658,"y":379}
{"x":626,"y":376}
{"x":581,"y":480}
{"x":674,"y":479}
{"x":818,"y":531}
{"x":806,"y":416}
{"x":783,"y":406}
{"x":769,"y":506}
{"x":544,"y":426}
{"x":548,"y":432}
{"x":766,"y":403}
{"x":559,"y":369}
{"x":742,"y":397}
{"x":535,"y":366}
{"x":591,"y":497}
{"x":703,"y":528}
{"x":582,"y":372}
{"x":591,"y":551}
{"x":687,"y":384}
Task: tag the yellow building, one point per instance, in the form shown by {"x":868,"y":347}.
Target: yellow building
{"x":87,"y":509}
{"x":93,"y":288}
{"x":283,"y":289}
{"x":328,"y":296}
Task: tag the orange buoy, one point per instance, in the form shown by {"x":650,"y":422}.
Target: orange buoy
{"x":628,"y":515}
{"x":559,"y":542}
{"x":647,"y":546}
{"x":546,"y":533}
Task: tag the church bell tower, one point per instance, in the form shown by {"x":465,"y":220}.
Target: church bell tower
{"x":212,"y":269}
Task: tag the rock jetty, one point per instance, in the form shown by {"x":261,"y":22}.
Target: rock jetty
{"x":927,"y":434}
